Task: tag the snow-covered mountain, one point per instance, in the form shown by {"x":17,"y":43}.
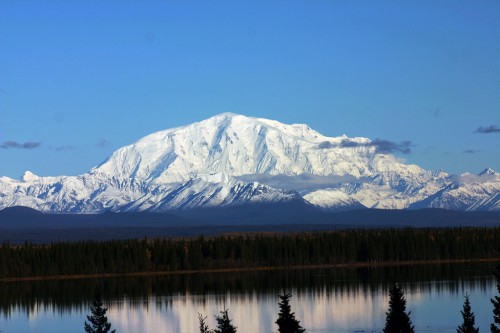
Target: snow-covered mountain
{"x":467,"y":192}
{"x":232,"y":160}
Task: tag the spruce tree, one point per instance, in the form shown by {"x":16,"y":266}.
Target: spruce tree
{"x":495,"y":327}
{"x":203,"y":325}
{"x":469,"y":319}
{"x":224,"y":323}
{"x":98,"y":320}
{"x":286,"y":318}
{"x":397,"y":320}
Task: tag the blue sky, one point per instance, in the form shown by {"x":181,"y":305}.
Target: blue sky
{"x":79,"y":79}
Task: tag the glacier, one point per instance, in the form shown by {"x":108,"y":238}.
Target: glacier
{"x":229,"y":160}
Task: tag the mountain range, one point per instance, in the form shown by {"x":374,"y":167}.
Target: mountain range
{"x":231,"y":160}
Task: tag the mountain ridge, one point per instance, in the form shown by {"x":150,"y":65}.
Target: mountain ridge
{"x":18,"y":226}
{"x":230,"y":160}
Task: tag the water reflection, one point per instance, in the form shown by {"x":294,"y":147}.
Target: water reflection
{"x":325,"y":300}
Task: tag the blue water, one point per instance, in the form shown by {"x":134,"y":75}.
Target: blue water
{"x":323,"y":302}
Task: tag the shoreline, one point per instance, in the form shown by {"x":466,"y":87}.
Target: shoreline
{"x":247,"y":269}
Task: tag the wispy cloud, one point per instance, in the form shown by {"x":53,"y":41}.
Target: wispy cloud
{"x":471,"y":151}
{"x":387,"y":147}
{"x":102,"y":143}
{"x":327,"y":145}
{"x":301,"y":182}
{"x":488,"y":129}
{"x":469,"y":178}
{"x":19,"y":145}
{"x":63,"y":148}
{"x":381,"y":146}
{"x":437,"y":113}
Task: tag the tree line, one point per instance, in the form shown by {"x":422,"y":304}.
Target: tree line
{"x":247,"y":251}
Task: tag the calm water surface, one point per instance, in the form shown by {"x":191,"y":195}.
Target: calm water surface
{"x":324,"y":300}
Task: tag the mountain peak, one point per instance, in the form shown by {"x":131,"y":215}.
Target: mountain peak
{"x":231,"y":159}
{"x":487,"y":171}
{"x":227,"y":115}
{"x":245,"y":121}
{"x":238,"y":145}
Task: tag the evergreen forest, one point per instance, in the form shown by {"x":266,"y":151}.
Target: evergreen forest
{"x":248,"y":251}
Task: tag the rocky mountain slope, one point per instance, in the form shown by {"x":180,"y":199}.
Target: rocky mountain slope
{"x":230,"y":160}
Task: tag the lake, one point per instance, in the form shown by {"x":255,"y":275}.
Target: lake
{"x":324,"y":300}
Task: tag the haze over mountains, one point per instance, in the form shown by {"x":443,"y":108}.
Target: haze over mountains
{"x":230,"y":160}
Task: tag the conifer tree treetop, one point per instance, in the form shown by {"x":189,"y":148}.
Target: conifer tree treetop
{"x":224,"y":324}
{"x":286,"y":318}
{"x":468,"y":325}
{"x":397,"y":320}
{"x":203,"y":325}
{"x":495,"y":326}
{"x":98,"y":322}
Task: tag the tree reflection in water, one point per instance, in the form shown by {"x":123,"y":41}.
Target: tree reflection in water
{"x":313,"y":288}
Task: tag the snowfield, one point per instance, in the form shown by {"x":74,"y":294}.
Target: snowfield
{"x":232,"y":159}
